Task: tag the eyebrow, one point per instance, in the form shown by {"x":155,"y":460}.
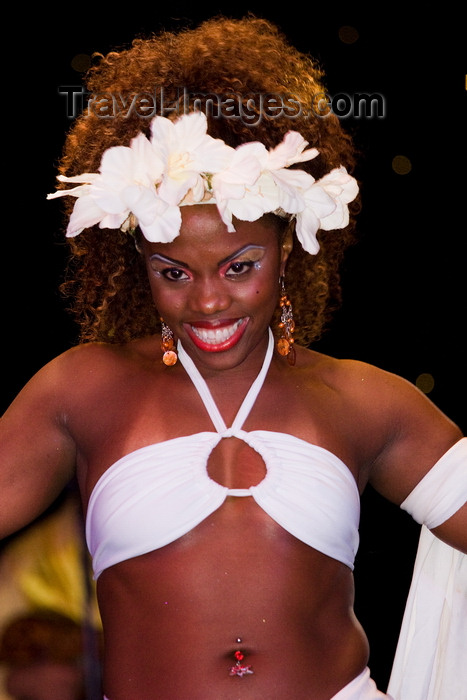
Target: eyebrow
{"x":170,"y":261}
{"x":180,"y":263}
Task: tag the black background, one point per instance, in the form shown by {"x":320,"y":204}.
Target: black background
{"x":404,"y":283}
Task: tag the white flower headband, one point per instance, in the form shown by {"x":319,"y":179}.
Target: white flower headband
{"x":144,"y":184}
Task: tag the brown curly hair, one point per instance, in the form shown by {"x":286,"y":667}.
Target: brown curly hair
{"x":227,"y":57}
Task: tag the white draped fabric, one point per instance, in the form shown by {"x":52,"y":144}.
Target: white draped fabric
{"x":431,"y":656}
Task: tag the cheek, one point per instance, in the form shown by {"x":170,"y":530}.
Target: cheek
{"x":265,"y":296}
{"x":162,"y":297}
{"x":155,"y":292}
{"x":167,"y":304}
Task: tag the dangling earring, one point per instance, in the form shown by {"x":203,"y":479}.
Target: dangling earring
{"x":287,"y":327}
{"x":170,"y":356}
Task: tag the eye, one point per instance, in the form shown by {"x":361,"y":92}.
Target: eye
{"x":174,"y":274}
{"x":240,"y":267}
{"x":246,"y":262}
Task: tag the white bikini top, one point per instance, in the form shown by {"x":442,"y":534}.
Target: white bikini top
{"x":158,"y":493}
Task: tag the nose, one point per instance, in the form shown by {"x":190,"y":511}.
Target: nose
{"x":209,"y":296}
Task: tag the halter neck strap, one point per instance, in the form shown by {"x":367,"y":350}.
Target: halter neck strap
{"x":206,"y":396}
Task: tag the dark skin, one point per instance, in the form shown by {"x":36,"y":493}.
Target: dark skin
{"x":172,"y":616}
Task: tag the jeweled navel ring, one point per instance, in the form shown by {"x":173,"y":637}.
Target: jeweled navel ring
{"x":170,"y":356}
{"x":240,"y":669}
{"x":287,"y":327}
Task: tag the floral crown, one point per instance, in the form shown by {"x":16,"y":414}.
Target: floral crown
{"x":144,"y":184}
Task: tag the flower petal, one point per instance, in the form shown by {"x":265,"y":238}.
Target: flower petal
{"x":146,"y":182}
{"x":242,"y":172}
{"x":306,"y":228}
{"x":292,"y":184}
{"x":165,"y":227}
{"x":290,"y":150}
{"x":85,"y":213}
{"x":343,"y":188}
{"x":340,"y":183}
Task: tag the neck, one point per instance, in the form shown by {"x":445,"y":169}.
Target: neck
{"x":245,"y":371}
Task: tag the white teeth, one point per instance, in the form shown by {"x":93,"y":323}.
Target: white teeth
{"x":214,"y":336}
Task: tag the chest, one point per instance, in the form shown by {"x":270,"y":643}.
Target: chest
{"x":141,"y":409}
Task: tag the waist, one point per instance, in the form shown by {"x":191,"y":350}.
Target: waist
{"x":277,"y":671}
{"x":182,"y":641}
{"x":362,"y":687}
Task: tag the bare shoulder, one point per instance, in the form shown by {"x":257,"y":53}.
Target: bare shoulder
{"x":364,"y":392}
{"x":76,"y":386}
{"x":352,"y":376}
{"x":96,"y":363}
{"x":43,"y":431}
{"x":365,"y":385}
{"x":100,"y":354}
{"x":397,"y":429}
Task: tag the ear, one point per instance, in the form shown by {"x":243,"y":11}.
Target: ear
{"x":286,"y":245}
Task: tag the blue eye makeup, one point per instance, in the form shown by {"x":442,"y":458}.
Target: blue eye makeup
{"x":236,"y":266}
{"x":171,"y":270}
{"x":242,"y":262}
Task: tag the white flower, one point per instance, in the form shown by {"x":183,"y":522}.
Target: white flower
{"x":123,"y":186}
{"x":81,"y":216}
{"x":289,"y":151}
{"x":240,"y":190}
{"x":318,"y":205}
{"x":326,"y":207}
{"x":343,"y":189}
{"x":147,"y":182}
{"x":188,"y":153}
{"x":292,"y":184}
{"x":257,"y":181}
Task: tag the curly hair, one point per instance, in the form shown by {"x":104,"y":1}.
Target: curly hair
{"x":242,"y":59}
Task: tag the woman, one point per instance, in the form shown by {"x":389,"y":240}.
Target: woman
{"x":221,"y":485}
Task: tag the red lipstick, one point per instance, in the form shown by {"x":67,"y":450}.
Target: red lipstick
{"x":216,"y":337}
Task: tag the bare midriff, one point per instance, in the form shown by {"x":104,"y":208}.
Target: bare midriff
{"x":173,"y":618}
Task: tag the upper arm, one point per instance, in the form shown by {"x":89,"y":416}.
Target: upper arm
{"x":37,"y":454}
{"x":397,"y":433}
{"x":417,"y":436}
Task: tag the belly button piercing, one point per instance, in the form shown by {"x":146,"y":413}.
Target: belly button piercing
{"x":240,"y":669}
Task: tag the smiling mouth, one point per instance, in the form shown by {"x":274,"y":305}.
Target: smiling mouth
{"x":217,"y":339}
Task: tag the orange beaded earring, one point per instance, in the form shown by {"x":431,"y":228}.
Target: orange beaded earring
{"x":170,"y":356}
{"x":287,"y":327}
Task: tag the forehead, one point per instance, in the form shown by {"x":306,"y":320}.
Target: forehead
{"x":203,"y":233}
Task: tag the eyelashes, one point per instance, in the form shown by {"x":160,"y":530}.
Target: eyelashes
{"x":241,"y":267}
{"x":232,"y":270}
{"x":173,"y":274}
{"x":248,"y":260}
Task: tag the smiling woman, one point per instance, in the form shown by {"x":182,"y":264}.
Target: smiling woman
{"x":220,"y":460}
{"x":160,"y":163}
{"x":218,"y":291}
